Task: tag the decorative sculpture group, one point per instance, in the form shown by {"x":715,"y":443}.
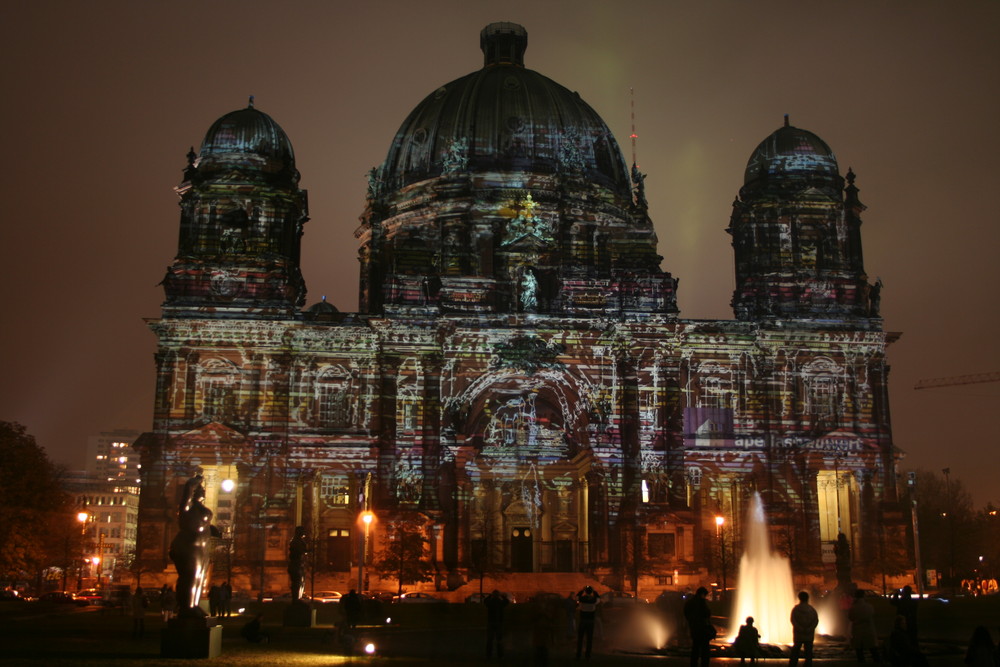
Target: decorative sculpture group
{"x":189,"y":549}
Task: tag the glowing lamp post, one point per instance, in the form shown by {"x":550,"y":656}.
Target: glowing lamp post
{"x":366,"y":518}
{"x":97,"y":566}
{"x":719,"y":523}
{"x":82,"y":517}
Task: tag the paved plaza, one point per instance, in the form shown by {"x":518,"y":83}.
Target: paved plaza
{"x":453,"y":634}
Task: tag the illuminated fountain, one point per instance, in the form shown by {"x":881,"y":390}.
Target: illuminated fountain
{"x":765,"y":589}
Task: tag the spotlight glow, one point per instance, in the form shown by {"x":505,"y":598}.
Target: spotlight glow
{"x":370,"y":648}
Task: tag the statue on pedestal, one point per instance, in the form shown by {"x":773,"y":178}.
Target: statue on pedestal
{"x":842,"y":553}
{"x":189,"y":548}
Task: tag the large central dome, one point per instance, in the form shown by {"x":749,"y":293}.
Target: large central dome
{"x":505,"y":117}
{"x":504,"y":192}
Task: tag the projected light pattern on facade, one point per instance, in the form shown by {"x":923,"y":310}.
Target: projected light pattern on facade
{"x":518,"y":373}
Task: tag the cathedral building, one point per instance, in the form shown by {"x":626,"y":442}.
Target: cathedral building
{"x":517,"y":379}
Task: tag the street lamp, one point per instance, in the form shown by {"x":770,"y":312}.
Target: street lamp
{"x":950,"y":515}
{"x":366,"y":518}
{"x":82,"y":517}
{"x":719,"y":523}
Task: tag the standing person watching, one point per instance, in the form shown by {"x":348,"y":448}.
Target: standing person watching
{"x":699,"y":620}
{"x":495,"y":603}
{"x":804,"y":621}
{"x":588,"y":599}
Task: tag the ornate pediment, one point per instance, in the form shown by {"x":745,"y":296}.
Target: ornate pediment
{"x":213,"y":433}
{"x":525,"y":228}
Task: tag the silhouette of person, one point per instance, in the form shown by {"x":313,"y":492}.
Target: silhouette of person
{"x":352,"y":608}
{"x":699,"y":620}
{"x":981,"y":651}
{"x":906,"y":606}
{"x":214,"y":600}
{"x":588,"y":599}
{"x":225,"y":599}
{"x":252,"y":631}
{"x":901,"y":650}
{"x":747,"y":642}
{"x":189,"y":548}
{"x":804,"y":621}
{"x":862,"y":618}
{"x":495,"y":604}
{"x":138,"y":613}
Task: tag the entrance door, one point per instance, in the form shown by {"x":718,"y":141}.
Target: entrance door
{"x":521,"y":556}
{"x":564,"y":555}
{"x":338,"y":550}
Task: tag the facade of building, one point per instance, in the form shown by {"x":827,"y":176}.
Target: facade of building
{"x":111,"y":457}
{"x":518,"y":376}
{"x":111,"y":511}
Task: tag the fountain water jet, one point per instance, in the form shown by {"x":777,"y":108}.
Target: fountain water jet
{"x":764,"y":589}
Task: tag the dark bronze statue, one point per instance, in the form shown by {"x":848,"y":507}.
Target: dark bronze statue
{"x":297,"y":550}
{"x":189,"y":549}
{"x":842,"y":553}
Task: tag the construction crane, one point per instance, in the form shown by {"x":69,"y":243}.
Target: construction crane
{"x":933,"y":383}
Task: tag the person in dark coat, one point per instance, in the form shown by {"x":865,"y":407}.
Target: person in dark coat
{"x":214,"y":600}
{"x":981,"y":652}
{"x":226,"y":599}
{"x":138,"y":613}
{"x":352,"y":608}
{"x":495,"y":604}
{"x":699,"y":620}
{"x":901,"y":650}
{"x":253,"y":632}
{"x":906,"y":606}
{"x":804,"y":621}
{"x":862,"y":618}
{"x":747,"y":642}
{"x":588,"y":600}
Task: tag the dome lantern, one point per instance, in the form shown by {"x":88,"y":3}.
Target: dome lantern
{"x":503,"y":44}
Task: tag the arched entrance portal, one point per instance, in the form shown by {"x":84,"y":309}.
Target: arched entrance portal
{"x":529,"y":509}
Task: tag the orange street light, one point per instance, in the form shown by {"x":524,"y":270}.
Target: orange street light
{"x":366,"y":517}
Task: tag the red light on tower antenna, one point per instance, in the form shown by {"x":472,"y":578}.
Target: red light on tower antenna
{"x":633,"y":136}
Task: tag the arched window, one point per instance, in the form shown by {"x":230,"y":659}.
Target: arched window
{"x":407,"y":410}
{"x":714,"y":393}
{"x":822,"y":388}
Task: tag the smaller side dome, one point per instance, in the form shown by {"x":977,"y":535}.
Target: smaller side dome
{"x":793,"y":151}
{"x":322,"y":307}
{"x":246,"y":139}
{"x":323,"y":311}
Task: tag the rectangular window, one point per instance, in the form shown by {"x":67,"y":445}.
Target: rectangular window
{"x":335,"y":490}
{"x":661,"y":545}
{"x":834,"y":500}
{"x":333,"y":408}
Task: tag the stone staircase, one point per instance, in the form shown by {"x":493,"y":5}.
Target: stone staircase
{"x":523,"y":585}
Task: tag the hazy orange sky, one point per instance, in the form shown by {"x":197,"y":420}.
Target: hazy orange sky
{"x":101,"y":101}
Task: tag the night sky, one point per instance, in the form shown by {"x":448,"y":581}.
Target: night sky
{"x":102,"y":100}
